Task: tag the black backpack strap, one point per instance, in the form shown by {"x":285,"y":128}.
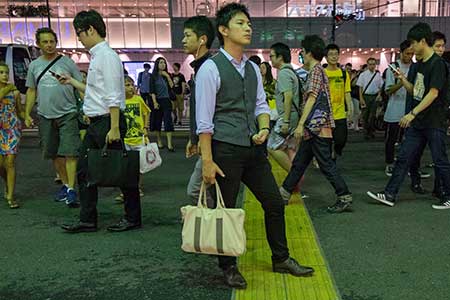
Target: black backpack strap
{"x":47,"y":68}
{"x":299,"y":91}
{"x":344,"y":76}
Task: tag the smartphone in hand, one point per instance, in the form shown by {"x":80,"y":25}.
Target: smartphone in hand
{"x":56,"y":75}
{"x":394,"y":68}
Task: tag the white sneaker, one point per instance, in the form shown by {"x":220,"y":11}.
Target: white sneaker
{"x":442,"y":205}
{"x":381,"y":197}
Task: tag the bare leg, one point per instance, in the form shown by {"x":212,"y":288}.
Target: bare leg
{"x":10,"y":167}
{"x":282,"y":158}
{"x":3,"y":173}
{"x":158,"y":139}
{"x":60,"y":166}
{"x":71,"y":171}
{"x":169,"y":140}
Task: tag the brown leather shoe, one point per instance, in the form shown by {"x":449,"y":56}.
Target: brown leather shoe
{"x":292,"y":267}
{"x":234,"y":278}
{"x":79,"y":227}
{"x":124,"y":225}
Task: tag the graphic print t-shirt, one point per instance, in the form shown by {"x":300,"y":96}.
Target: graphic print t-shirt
{"x":135,"y":110}
{"x":431,"y":74}
{"x":338,"y":90}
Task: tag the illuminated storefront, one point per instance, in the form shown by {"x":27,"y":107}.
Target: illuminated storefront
{"x":157,"y":24}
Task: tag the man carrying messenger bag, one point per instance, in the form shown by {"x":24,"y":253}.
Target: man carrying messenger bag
{"x":104,"y":100}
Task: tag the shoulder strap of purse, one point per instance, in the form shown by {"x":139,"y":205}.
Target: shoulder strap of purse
{"x":371,"y":79}
{"x":47,"y":68}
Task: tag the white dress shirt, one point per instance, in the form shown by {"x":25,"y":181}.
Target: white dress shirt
{"x":105,"y":86}
{"x":375,"y":85}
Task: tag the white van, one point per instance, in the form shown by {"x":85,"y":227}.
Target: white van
{"x":18,"y":58}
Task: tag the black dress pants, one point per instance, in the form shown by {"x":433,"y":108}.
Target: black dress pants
{"x":250,"y":166}
{"x":95,"y":139}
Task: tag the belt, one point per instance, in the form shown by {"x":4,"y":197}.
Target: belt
{"x":98,"y":118}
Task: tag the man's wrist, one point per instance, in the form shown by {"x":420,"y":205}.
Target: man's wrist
{"x":412,"y":113}
{"x":265,"y":128}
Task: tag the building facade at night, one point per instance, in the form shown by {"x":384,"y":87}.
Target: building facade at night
{"x":142,"y":29}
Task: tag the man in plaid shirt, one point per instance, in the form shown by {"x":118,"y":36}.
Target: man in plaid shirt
{"x":316,"y":140}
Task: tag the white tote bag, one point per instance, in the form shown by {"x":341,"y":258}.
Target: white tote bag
{"x":218,"y":231}
{"x":149,"y":157}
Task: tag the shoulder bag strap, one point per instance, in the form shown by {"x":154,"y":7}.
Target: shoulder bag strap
{"x":371,"y":79}
{"x":47,"y":68}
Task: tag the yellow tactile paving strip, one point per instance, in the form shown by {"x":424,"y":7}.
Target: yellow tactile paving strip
{"x":255,"y":265}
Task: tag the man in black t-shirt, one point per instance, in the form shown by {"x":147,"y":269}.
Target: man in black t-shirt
{"x":426,"y":121}
{"x":179,"y":85}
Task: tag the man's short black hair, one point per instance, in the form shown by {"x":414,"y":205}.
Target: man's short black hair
{"x":332,"y":47}
{"x":282,"y":50}
{"x":85,"y":19}
{"x":420,"y":31}
{"x":371,"y":58}
{"x":437,"y":35}
{"x":146,"y":65}
{"x":405,"y":45}
{"x":256,"y":59}
{"x":349,"y":65}
{"x":177,"y":65}
{"x":315,"y":45}
{"x":226,"y":13}
{"x":45,"y":30}
{"x":201,"y":25}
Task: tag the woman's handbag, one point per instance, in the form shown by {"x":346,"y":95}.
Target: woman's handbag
{"x":149,"y":158}
{"x":218,"y":231}
{"x":113,"y":167}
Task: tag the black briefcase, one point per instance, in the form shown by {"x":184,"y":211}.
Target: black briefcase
{"x":113,"y":167}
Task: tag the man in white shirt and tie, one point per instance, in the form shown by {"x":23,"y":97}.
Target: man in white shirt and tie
{"x":103,"y":101}
{"x":370,"y":83}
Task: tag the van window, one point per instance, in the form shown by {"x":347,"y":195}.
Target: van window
{"x":3,"y":53}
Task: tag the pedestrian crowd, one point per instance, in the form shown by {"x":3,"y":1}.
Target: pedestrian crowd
{"x":239,"y":116}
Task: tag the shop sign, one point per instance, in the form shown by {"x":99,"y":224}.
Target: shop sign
{"x":325,"y":10}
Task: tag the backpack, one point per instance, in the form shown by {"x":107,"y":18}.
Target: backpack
{"x":384,"y":94}
{"x":300,"y":91}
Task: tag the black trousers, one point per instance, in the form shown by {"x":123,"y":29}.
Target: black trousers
{"x":394,"y":134}
{"x":95,"y":139}
{"x":320,"y":148}
{"x":369,"y":113}
{"x":250,"y":166}
{"x":164,"y":113}
{"x":147,"y":99}
{"x":340,"y":134}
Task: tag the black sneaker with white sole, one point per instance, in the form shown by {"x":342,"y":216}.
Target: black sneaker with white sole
{"x":383,"y":198}
{"x":445,"y":204}
{"x":422,"y":174}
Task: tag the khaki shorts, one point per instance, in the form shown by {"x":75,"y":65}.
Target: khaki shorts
{"x":179,"y":102}
{"x":60,"y":136}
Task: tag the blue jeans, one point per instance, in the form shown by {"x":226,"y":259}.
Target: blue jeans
{"x":411,"y":146}
{"x":320,"y":148}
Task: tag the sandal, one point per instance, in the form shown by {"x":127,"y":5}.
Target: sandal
{"x":12,"y":203}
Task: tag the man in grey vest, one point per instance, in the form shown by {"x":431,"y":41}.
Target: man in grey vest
{"x":233,"y":123}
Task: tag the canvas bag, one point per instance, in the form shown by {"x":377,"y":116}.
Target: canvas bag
{"x":218,"y":231}
{"x":149,"y":158}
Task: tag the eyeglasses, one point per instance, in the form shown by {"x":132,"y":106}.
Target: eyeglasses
{"x":79,"y":31}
